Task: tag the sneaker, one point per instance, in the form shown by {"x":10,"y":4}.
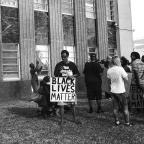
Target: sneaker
{"x":128,"y":124}
{"x":117,"y":123}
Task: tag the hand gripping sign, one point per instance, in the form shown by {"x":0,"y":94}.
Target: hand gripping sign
{"x":62,"y":89}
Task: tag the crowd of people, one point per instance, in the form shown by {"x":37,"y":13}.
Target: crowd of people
{"x":109,"y":76}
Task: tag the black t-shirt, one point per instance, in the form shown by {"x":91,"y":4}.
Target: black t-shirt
{"x":92,"y":71}
{"x":67,"y":67}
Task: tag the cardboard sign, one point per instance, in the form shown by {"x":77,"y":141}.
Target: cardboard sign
{"x":62,"y":89}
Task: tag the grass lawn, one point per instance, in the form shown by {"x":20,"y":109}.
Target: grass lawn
{"x":20,"y":125}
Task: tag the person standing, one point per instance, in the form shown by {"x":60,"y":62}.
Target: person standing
{"x":124,"y":63}
{"x":105,"y":81}
{"x":66,"y":68}
{"x":92,"y":72}
{"x":137,"y":82}
{"x":117,"y":75}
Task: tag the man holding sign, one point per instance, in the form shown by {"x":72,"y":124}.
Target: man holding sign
{"x":65,"y":73}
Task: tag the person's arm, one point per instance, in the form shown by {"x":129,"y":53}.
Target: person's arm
{"x":135,"y":72}
{"x":124,"y":74}
{"x":57,"y":70}
{"x":100,"y":69}
{"x":84,"y":71}
{"x":136,"y":77}
{"x":74,"y":71}
{"x":108,"y":75}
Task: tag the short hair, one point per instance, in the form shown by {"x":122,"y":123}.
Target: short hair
{"x":92,"y":55}
{"x":65,"y":51}
{"x":124,"y":60}
{"x":136,"y":54}
{"x":32,"y":65}
{"x":116,"y":61}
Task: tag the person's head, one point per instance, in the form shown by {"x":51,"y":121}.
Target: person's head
{"x":135,"y":55}
{"x":93,"y":57}
{"x":64,"y":55}
{"x":124,"y":61}
{"x":116,"y":61}
{"x":32,"y":66}
{"x":142,"y":59}
{"x":109,"y":58}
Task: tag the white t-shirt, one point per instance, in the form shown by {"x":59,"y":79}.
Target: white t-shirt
{"x":116,"y":74}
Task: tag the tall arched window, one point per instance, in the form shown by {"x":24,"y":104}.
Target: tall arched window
{"x":68,"y":27}
{"x":111,"y":29}
{"x":42,"y":35}
{"x":91,"y":26}
{"x":10,"y":40}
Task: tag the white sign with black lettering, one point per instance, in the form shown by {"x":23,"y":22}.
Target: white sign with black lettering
{"x":62,"y":89}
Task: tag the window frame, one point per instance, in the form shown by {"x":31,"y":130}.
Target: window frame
{"x":90,"y":9}
{"x":71,"y":13}
{"x":110,"y":10}
{"x":40,"y":77}
{"x":70,"y":5}
{"x":18,"y":63}
{"x":6,"y":3}
{"x":40,"y":4}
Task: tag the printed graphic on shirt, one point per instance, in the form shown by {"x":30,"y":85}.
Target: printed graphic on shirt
{"x":66,"y":71}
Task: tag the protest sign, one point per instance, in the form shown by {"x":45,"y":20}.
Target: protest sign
{"x":62,"y":89}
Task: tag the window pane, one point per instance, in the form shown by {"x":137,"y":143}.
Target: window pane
{"x":91,"y":32}
{"x":90,"y":9}
{"x":10,"y":75}
{"x":41,"y":28}
{"x":10,"y":68}
{"x":41,"y":5}
{"x":67,"y":7}
{"x":112,"y":44}
{"x":92,"y":50}
{"x":68,"y":30}
{"x":9,"y":54}
{"x":10,"y":47}
{"x":9,"y":61}
{"x":10,"y":25}
{"x":9,"y":3}
{"x":42,"y":55}
{"x":110,"y":9}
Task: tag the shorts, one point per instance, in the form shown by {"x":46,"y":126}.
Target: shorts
{"x":119,"y":100}
{"x":94,"y":93}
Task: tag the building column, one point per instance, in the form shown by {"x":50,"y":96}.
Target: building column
{"x":102,"y":28}
{"x":116,"y":19}
{"x":27,"y":36}
{"x":56,"y":32}
{"x":80,"y":34}
{"x":0,"y":47}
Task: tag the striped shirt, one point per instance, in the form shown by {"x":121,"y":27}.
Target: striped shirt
{"x":138,"y":67}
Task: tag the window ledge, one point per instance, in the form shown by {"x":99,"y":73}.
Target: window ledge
{"x":11,"y":79}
